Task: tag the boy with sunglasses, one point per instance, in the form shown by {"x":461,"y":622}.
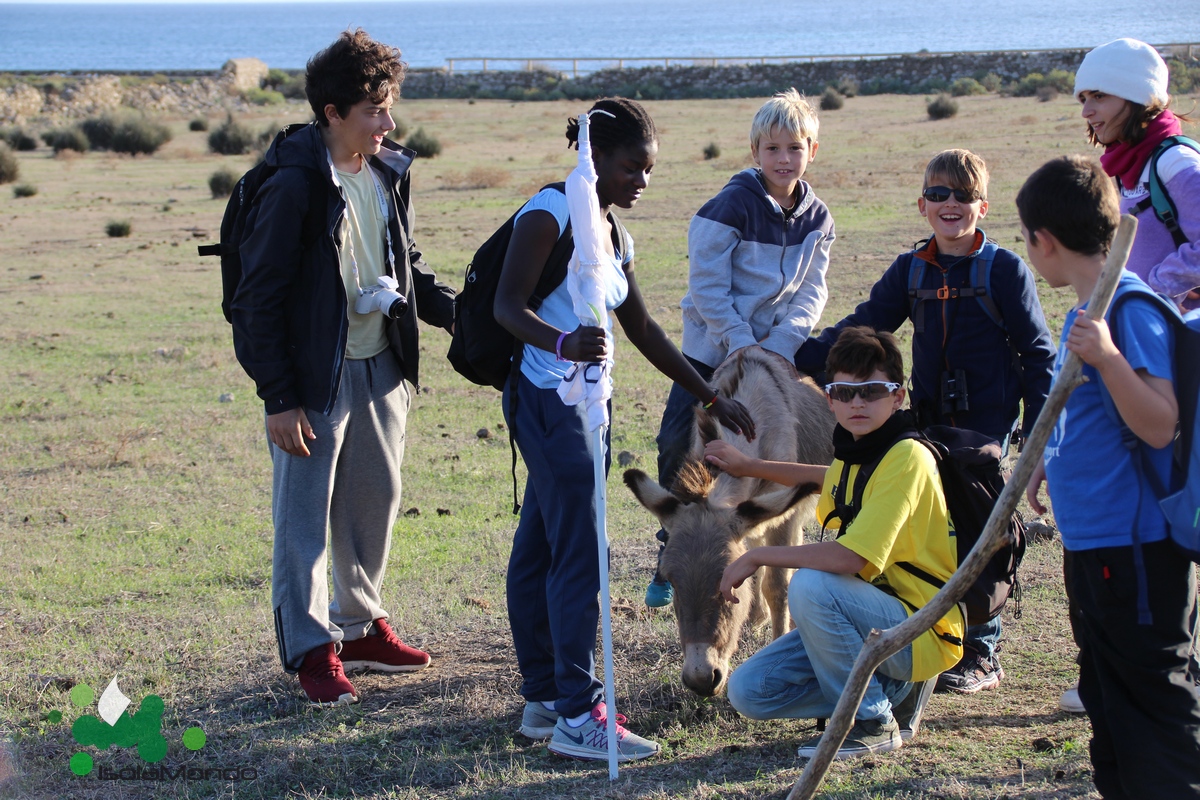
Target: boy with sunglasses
{"x":980,"y":343}
{"x":844,"y":588}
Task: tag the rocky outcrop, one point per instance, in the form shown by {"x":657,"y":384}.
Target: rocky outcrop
{"x":244,"y":73}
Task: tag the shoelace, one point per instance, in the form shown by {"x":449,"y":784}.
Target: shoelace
{"x":603,"y":720}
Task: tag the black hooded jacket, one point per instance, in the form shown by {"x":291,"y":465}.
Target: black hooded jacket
{"x":289,"y":314}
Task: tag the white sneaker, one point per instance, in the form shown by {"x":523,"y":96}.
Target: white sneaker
{"x":590,"y":740}
{"x":537,"y":721}
{"x":1070,"y":701}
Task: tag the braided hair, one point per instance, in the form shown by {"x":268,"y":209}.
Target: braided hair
{"x":630,"y":125}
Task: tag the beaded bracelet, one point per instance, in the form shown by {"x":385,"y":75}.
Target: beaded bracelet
{"x":712,"y":402}
{"x":558,"y":346}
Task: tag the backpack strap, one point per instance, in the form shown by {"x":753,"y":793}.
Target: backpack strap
{"x":1138,"y":452}
{"x":979,"y":287}
{"x":1159,"y":198}
{"x":553,"y":273}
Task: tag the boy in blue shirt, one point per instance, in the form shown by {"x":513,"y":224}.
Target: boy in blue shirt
{"x":980,"y":343}
{"x":1133,"y":623}
{"x":757,"y":256}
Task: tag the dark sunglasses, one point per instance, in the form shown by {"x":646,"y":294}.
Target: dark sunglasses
{"x":940,"y":194}
{"x":867,"y":390}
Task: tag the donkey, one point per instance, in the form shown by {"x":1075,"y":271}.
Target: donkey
{"x":712,"y":518}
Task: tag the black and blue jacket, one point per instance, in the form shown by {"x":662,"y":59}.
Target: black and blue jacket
{"x":1005,"y":361}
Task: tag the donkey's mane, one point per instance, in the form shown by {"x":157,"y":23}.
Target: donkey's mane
{"x":694,"y":482}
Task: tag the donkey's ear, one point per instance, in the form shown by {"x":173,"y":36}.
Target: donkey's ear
{"x":768,"y":506}
{"x":707,"y":426}
{"x":657,"y":500}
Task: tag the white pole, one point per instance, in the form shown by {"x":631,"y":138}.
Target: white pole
{"x":610,"y":700}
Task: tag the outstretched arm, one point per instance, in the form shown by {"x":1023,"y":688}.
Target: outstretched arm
{"x":824,"y":556}
{"x":648,"y":337}
{"x":727,"y":458}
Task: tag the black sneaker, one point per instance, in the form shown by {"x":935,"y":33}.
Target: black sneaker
{"x":866,"y":737}
{"x":908,"y":712}
{"x":972,"y":674}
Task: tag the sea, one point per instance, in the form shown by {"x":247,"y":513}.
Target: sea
{"x":158,"y":36}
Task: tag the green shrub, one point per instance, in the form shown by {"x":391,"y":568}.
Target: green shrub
{"x":67,"y":139}
{"x":139,"y":136}
{"x":221,"y":182}
{"x":263,"y":97}
{"x":100,"y":131}
{"x":966,"y":86}
{"x":831,"y":99}
{"x":847,"y":86}
{"x":942,"y":107}
{"x":992,"y":82}
{"x":713,"y":150}
{"x":231,"y":139}
{"x":10,"y":168}
{"x":1184,"y":78}
{"x":398,"y":133}
{"x":24,"y":190}
{"x":1047,"y":93}
{"x":198,"y":124}
{"x":18,"y":139}
{"x":1059,"y":79}
{"x":118,"y":229}
{"x":424,"y":144}
{"x":290,"y":85}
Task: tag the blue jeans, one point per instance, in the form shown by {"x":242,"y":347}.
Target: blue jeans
{"x":802,"y":673}
{"x":553,"y":580}
{"x":983,"y":638}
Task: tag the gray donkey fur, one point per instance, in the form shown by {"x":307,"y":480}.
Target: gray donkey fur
{"x":712,"y":518}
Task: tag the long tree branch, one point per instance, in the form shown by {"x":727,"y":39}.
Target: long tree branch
{"x":879,"y":646}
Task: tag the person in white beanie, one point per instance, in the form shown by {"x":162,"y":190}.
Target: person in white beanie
{"x":1123,"y":88}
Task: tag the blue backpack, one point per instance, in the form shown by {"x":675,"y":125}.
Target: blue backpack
{"x":1179,"y":498}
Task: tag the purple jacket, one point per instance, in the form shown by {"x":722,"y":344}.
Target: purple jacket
{"x":1155,"y":258}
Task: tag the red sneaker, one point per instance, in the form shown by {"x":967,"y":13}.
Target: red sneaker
{"x":381,"y":649}
{"x":323,"y":678}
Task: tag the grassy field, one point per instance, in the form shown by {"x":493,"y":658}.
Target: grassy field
{"x":135,"y":525}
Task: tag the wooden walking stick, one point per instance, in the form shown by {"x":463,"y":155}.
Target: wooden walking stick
{"x":880,"y":646}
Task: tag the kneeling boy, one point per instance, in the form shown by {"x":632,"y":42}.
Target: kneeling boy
{"x":843,"y":589}
{"x":1134,"y":622}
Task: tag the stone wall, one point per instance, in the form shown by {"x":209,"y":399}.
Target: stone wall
{"x":902,"y":73}
{"x":53,"y":99}
{"x":66,"y":99}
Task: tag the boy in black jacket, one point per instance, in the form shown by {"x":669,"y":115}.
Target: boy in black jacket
{"x":980,"y":342}
{"x":324,"y":321}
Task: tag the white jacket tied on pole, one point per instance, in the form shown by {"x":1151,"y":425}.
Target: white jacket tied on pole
{"x":588,"y":383}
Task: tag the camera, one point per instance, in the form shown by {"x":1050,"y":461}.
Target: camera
{"x":954,"y":392}
{"x":382,"y":297}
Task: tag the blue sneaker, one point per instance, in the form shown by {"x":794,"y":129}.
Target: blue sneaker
{"x":659,"y":593}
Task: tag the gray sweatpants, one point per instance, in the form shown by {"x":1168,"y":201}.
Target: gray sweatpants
{"x":343,"y":496}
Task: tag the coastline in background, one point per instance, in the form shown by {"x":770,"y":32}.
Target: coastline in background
{"x":198,"y":36}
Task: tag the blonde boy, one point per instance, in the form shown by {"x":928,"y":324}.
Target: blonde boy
{"x":758,"y":252}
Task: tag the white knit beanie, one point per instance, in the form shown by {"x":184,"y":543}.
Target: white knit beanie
{"x":1127,"y":68}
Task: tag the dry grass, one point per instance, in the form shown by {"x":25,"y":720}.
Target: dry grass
{"x":136,"y":528}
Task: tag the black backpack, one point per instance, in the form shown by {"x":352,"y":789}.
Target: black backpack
{"x":969,"y":468}
{"x":233,"y":223}
{"x":481,"y":349}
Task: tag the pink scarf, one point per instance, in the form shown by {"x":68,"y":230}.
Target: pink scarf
{"x":1126,"y":161}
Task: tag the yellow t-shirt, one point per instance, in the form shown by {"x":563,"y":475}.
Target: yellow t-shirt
{"x":904,"y":518}
{"x":362,"y":235}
